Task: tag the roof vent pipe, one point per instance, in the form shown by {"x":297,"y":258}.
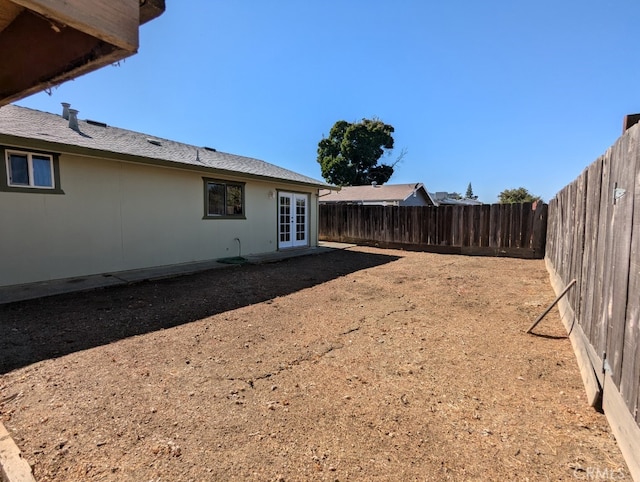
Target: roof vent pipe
{"x":73,"y":119}
{"x":65,"y":110}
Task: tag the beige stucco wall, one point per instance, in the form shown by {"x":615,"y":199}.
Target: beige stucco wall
{"x":117,"y":216}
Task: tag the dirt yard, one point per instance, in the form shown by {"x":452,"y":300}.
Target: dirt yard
{"x":360,"y":364}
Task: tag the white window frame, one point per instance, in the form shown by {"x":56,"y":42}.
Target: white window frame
{"x":31,"y":176}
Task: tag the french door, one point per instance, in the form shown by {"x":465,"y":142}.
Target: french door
{"x":293,"y":219}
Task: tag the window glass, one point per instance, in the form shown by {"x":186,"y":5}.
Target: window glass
{"x":216,"y":199}
{"x":234,"y":200}
{"x":18,"y":170}
{"x":42,"y":176}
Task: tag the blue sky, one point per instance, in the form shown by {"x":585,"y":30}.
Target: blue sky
{"x":499,"y":93}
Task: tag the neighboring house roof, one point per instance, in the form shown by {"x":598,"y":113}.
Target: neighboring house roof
{"x":370,"y":194}
{"x":51,"y":131}
{"x":443,"y":198}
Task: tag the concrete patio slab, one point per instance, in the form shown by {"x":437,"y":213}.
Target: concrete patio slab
{"x":10,"y":294}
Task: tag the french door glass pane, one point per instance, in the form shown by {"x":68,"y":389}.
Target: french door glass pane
{"x":285,"y":219}
{"x":301,"y":223}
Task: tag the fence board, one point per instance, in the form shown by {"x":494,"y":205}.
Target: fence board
{"x":485,"y":227}
{"x":592,"y":202}
{"x":505,"y":219}
{"x":629,"y":378}
{"x":525,"y":214}
{"x":494,"y":234}
{"x":621,"y":223}
{"x":599,"y":330}
{"x":579,"y":242}
{"x":552,"y":235}
{"x":448,"y":227}
{"x":467,"y":226}
{"x":541,"y":218}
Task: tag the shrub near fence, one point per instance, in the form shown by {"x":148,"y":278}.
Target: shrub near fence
{"x":514,"y":230}
{"x":594,"y":237}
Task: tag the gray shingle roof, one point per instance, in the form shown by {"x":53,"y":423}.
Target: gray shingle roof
{"x":42,"y":126}
{"x":385,"y":192}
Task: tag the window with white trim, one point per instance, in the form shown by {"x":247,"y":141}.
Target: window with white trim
{"x":32,"y":170}
{"x":27,"y":171}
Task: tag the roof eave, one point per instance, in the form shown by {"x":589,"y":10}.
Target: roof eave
{"x":17,"y":141}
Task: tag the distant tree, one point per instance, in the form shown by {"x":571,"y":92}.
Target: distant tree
{"x":454,"y":195}
{"x":469,"y":193}
{"x":519,"y":195}
{"x":350,"y":155}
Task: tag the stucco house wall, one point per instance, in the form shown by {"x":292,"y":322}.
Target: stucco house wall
{"x":122,"y":215}
{"x":420,"y":199}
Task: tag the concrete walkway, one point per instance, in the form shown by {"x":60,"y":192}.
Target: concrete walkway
{"x":13,"y":468}
{"x":10,"y":294}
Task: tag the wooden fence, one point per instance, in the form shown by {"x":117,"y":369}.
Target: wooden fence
{"x":515,"y":230}
{"x":594,"y":236}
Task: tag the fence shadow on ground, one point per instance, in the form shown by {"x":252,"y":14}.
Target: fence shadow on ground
{"x":52,"y":327}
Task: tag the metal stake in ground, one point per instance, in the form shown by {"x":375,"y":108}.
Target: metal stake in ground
{"x":564,"y":292}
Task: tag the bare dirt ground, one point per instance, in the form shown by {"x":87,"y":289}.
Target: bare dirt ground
{"x":362,"y":364}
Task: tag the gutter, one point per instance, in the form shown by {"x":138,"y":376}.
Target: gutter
{"x":330,"y":189}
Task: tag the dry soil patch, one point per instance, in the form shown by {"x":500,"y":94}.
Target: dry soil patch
{"x":364,"y":364}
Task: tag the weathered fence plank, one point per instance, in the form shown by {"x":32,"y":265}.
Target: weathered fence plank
{"x":579,"y":241}
{"x":484,"y":226}
{"x":604,"y":255}
{"x":621,"y":223}
{"x":494,"y":232}
{"x":589,"y":260}
{"x":630,"y":370}
{"x":505,"y":219}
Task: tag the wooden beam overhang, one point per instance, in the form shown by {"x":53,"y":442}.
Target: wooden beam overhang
{"x":46,"y":42}
{"x":150,"y":9}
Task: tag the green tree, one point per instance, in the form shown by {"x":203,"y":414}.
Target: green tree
{"x":350,"y":155}
{"x":469,"y":193}
{"x":519,"y":195}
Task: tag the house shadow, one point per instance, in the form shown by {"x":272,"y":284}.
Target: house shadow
{"x":36,"y":330}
